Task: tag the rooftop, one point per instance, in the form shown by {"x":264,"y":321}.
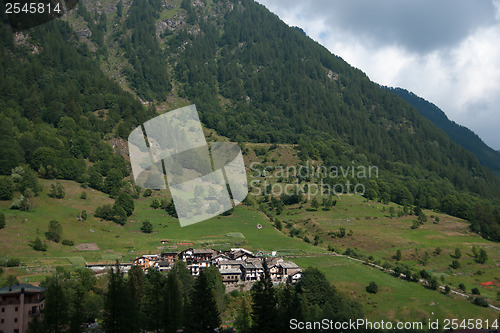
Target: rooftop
{"x":19,"y":288}
{"x":230,"y":271}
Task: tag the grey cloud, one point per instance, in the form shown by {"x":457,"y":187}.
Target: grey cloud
{"x":419,"y":26}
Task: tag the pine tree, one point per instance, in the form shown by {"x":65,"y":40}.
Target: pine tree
{"x":483,"y":256}
{"x":173,"y":304}
{"x":315,"y":203}
{"x":398,"y":255}
{"x":118,"y":314}
{"x":243,"y":319}
{"x":264,"y":312}
{"x":203,"y":311}
{"x":153,"y":300}
{"x":136,"y":285}
{"x":55,"y":312}
{"x":125,"y":201}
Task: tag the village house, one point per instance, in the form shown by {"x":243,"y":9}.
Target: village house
{"x":19,"y":304}
{"x":169,"y":256}
{"x":191,"y":255}
{"x":295,"y":277}
{"x":218,"y":258}
{"x":240,"y":254}
{"x":288,"y":268}
{"x":249,"y":271}
{"x":229,"y":264}
{"x":146,"y":261}
{"x":257,"y":262}
{"x":164,"y":265}
{"x":237,"y":265}
{"x":274,"y":269}
{"x":230,"y":276}
{"x":195,"y":267}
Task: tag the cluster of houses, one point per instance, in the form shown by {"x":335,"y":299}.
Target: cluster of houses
{"x":235,"y":266}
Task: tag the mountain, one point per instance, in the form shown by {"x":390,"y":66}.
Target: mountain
{"x":77,"y":83}
{"x":460,"y":134}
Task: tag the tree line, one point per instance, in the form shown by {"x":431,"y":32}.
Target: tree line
{"x":178,"y":301}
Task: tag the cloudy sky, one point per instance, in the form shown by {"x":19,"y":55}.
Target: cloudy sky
{"x":446,"y":51}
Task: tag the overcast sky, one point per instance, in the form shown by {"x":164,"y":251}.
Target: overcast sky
{"x":446,"y":51}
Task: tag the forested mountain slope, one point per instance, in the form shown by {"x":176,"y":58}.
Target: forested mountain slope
{"x":460,"y":134}
{"x":252,"y":77}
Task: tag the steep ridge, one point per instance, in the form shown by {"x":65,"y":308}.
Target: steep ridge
{"x":460,"y":134}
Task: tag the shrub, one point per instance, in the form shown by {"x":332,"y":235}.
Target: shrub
{"x":54,"y":232}
{"x":105,"y":212}
{"x":21,"y":203}
{"x":397,"y":256}
{"x":433,"y":284}
{"x":455,"y":264}
{"x":447,"y":289}
{"x":155,"y":204}
{"x":147,"y":193}
{"x":147,"y":227}
{"x":475,"y":291}
{"x":6,"y":188}
{"x":83,"y":215}
{"x":424,"y":274}
{"x":67,"y":242}
{"x":481,"y":301}
{"x":57,"y":191}
{"x":483,"y":256}
{"x":11,"y":262}
{"x":277,"y":224}
{"x":2,"y":220}
{"x":125,"y":201}
{"x":37,"y":245}
{"x":462,"y":286}
{"x":120,"y":215}
{"x":372,"y":287}
{"x":83,"y":195}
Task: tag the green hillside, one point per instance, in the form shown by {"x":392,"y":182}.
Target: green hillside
{"x":255,"y":79}
{"x":71,"y":90}
{"x":379,"y":237}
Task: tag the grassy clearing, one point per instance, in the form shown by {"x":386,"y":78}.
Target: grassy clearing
{"x":124,"y":243}
{"x":396,"y":300}
{"x":374,"y":233}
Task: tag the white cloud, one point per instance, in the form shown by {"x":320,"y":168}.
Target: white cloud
{"x":461,"y":75}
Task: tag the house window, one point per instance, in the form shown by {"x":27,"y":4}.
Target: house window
{"x":15,"y":320}
{"x":15,"y":309}
{"x":3,"y":309}
{"x":1,"y":321}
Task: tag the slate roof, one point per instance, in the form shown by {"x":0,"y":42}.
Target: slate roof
{"x":18,"y":288}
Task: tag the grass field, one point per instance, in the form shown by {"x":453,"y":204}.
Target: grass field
{"x":380,"y":236}
{"x":396,"y":299}
{"x":374,"y":233}
{"x":115,"y":242}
